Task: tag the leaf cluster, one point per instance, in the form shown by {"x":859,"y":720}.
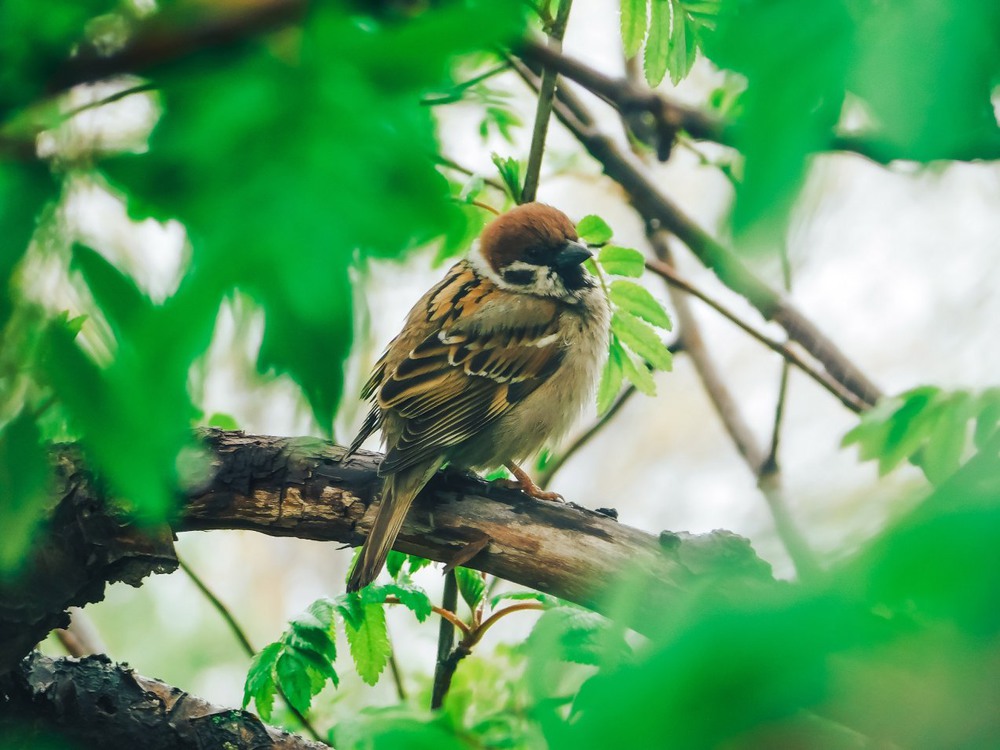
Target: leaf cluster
{"x":635,"y":348}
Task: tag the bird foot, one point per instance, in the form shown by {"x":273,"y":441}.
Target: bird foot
{"x":523,"y":482}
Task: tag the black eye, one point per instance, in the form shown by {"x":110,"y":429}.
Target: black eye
{"x":520,"y":276}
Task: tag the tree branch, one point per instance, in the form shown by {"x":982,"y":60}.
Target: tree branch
{"x":671,"y":117}
{"x":304,"y":488}
{"x":659,"y":211}
{"x":95,"y":703}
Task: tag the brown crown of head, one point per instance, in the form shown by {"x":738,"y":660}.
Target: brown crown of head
{"x":531,"y":229}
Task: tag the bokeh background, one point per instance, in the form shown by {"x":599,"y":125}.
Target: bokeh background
{"x":899,"y":266}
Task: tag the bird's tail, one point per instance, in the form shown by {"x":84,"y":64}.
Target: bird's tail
{"x":398,"y":492}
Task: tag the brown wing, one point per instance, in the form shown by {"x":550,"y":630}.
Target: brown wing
{"x":480,"y":354}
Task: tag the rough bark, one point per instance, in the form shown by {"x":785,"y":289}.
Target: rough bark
{"x":303,"y":488}
{"x":95,"y":703}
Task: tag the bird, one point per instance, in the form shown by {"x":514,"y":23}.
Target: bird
{"x":493,"y":362}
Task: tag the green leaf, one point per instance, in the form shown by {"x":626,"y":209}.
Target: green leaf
{"x":637,"y":374}
{"x":413,"y":598}
{"x":611,"y":380}
{"x":471,"y":585}
{"x":510,"y":174}
{"x":989,"y":417}
{"x":259,"y":685}
{"x":654,"y":62}
{"x":369,"y":643}
{"x":306,"y":632}
{"x":294,"y":679}
{"x":24,"y":480}
{"x":394,"y":563}
{"x":547,"y":599}
{"x":24,"y":189}
{"x":640,"y":337}
{"x":621,"y":261}
{"x":636,"y":299}
{"x":117,"y":296}
{"x":634,"y":22}
{"x":577,"y":635}
{"x":222,"y":421}
{"x":593,"y":230}
{"x":942,"y":455}
{"x":683,"y":45}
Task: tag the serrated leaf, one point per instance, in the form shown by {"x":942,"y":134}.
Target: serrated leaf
{"x":636,"y":299}
{"x":394,"y":563}
{"x":638,"y":374}
{"x":621,"y":261}
{"x":640,"y":337}
{"x":593,"y":230}
{"x":546,"y":599}
{"x":577,"y":635}
{"x":320,"y":669}
{"x":369,"y":643}
{"x":294,"y":679}
{"x":611,"y":381}
{"x":510,"y":174}
{"x":942,"y":455}
{"x":414,"y":599}
{"x":633,"y":23}
{"x":417,"y":562}
{"x":683,"y":47}
{"x":471,"y":586}
{"x":310,"y":634}
{"x":909,"y":427}
{"x":654,"y":61}
{"x":259,"y":685}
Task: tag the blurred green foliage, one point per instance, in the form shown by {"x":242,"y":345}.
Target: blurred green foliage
{"x":289,"y":156}
{"x":919,"y":75}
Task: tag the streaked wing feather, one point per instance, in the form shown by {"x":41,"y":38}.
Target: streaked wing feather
{"x":457,"y":381}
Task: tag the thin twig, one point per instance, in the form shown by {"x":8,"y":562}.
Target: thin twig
{"x":80,"y":638}
{"x":444,"y":161}
{"x":221,"y":608}
{"x":720,"y":396}
{"x":244,"y":642}
{"x":847,"y":398}
{"x":546,"y":94}
{"x":762,"y":465}
{"x":459,"y":89}
{"x":657,"y":209}
{"x":444,"y":668}
{"x":397,"y":675}
{"x":473,"y":638}
{"x":448,"y":615}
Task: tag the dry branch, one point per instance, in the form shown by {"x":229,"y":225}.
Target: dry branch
{"x":96,"y":703}
{"x":302,"y":488}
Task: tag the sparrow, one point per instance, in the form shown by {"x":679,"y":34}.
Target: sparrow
{"x":493,"y":362}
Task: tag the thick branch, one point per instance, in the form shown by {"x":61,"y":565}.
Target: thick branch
{"x":95,"y":703}
{"x":302,"y":488}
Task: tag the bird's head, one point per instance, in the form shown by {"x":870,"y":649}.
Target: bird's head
{"x":534,"y":249}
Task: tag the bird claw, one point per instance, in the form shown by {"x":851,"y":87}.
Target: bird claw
{"x":525,"y":484}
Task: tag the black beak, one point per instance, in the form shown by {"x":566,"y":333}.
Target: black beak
{"x":572,"y":254}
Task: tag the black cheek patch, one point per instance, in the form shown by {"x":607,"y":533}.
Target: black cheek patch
{"x":519,"y":276}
